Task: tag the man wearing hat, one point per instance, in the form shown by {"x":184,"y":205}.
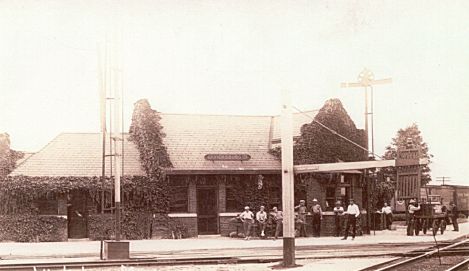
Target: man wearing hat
{"x":412,"y":221}
{"x":247,"y":217}
{"x":261,"y":218}
{"x":454,"y":215}
{"x":301,"y":209}
{"x":387,"y":211}
{"x":338,"y":214}
{"x":316,"y":211}
{"x":352,"y":213}
{"x":278,"y":219}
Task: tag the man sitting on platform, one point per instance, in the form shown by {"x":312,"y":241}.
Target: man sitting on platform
{"x":261,"y":218}
{"x":278,"y":219}
{"x":247,"y":217}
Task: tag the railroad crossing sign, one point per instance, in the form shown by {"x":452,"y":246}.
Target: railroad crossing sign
{"x":408,"y":173}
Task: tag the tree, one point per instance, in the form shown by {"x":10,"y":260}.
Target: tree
{"x":400,"y":141}
{"x":319,"y":145}
{"x":8,"y":157}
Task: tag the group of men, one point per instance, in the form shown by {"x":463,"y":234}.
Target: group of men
{"x":413,"y":208}
{"x":248,"y":219}
{"x":351,"y":215}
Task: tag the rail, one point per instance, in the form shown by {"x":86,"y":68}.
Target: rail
{"x":399,"y":264}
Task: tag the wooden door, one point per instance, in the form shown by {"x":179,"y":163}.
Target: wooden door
{"x":207,"y":215}
{"x":77,"y":215}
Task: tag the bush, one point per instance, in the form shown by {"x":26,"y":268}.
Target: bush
{"x":135,"y":226}
{"x":33,"y":228}
{"x":101,"y":226}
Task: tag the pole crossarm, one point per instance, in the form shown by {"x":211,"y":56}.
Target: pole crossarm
{"x":365,"y":84}
{"x":327,"y":167}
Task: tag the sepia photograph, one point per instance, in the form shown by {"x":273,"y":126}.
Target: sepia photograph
{"x":220,"y":135}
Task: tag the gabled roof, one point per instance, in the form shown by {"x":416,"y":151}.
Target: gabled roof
{"x":188,"y":139}
{"x":299,"y":119}
{"x":26,"y":155}
{"x":76,"y":154}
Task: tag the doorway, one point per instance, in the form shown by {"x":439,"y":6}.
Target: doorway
{"x":207,"y":215}
{"x":77,"y":215}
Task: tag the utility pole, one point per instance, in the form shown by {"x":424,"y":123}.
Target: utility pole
{"x":443,"y":179}
{"x":287,"y":182}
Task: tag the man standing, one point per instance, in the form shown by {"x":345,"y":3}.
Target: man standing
{"x":301,"y":209}
{"x":247,"y":217}
{"x":454,"y":216}
{"x":412,"y":220}
{"x":261,"y":218}
{"x":317,"y":217}
{"x":352,"y":213}
{"x":278,"y":219}
{"x":387,"y":211}
{"x":338,"y":214}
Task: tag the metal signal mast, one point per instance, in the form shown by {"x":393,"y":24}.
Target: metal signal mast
{"x":366,"y":79}
{"x":111,"y":89}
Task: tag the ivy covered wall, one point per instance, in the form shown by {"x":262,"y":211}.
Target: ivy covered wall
{"x":146,"y":133}
{"x":317,"y":145}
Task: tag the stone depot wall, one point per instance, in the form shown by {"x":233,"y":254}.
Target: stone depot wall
{"x":225,"y":226}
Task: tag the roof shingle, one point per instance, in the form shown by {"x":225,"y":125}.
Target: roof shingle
{"x":188,"y":139}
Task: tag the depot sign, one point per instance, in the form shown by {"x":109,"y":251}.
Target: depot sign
{"x":227,"y":157}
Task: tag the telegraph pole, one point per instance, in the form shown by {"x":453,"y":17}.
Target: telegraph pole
{"x":287,"y":182}
{"x":443,"y":179}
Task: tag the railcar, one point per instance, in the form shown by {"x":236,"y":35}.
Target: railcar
{"x":432,"y":215}
{"x":458,"y":194}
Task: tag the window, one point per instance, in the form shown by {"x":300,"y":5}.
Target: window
{"x":300,"y":191}
{"x":275,"y":197}
{"x":107,"y":204}
{"x":178,"y":199}
{"x":233,"y":200}
{"x":48,"y":206}
{"x":330,"y":198}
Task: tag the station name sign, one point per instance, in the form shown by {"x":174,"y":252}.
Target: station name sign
{"x":227,"y":157}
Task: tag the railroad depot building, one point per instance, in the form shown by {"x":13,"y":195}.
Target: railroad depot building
{"x":218,"y":160}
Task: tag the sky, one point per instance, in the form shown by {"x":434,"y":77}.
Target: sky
{"x":235,"y":57}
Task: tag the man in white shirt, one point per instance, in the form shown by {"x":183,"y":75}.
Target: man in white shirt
{"x":338,"y":214}
{"x":352,"y":213}
{"x":387,"y":211}
{"x":261,"y":218}
{"x":247,"y":217}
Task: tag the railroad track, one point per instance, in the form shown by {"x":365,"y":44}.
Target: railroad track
{"x":452,"y":257}
{"x":202,"y":257}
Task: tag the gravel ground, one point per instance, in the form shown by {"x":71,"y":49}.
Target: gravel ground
{"x":304,"y":265}
{"x":433,"y":264}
